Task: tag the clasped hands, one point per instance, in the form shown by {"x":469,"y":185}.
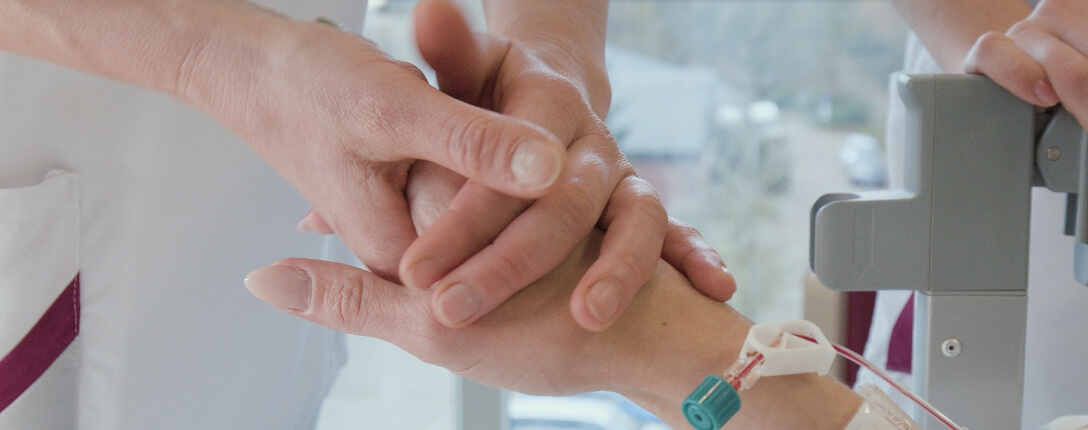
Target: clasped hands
{"x":596,"y":223}
{"x":521,"y":121}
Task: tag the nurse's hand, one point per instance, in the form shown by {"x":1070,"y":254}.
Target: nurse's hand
{"x":1042,"y":59}
{"x":338,"y":118}
{"x":489,"y":246}
{"x":344,"y":123}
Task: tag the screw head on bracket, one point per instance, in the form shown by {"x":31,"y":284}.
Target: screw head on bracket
{"x":951,"y":347}
{"x":1053,"y":153}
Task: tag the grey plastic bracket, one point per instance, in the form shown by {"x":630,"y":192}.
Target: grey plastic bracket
{"x":961,"y":221}
{"x":958,"y":233}
{"x":1062,"y":162}
{"x":1058,"y":153}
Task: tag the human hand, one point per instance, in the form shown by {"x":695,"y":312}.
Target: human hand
{"x":534,"y":328}
{"x":489,"y":246}
{"x":344,"y":123}
{"x":655,"y":354}
{"x":339,"y":119}
{"x":1042,"y":59}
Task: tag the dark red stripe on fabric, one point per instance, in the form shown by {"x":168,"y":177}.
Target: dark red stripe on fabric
{"x":52,"y":334}
{"x":899,"y":346}
{"x":859,"y":318}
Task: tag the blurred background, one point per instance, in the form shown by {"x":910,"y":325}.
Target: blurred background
{"x":741,"y":114}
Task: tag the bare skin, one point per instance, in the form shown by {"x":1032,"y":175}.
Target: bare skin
{"x":655,"y":354}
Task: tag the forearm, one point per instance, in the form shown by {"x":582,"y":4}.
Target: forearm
{"x":152,"y":44}
{"x":948,"y":29}
{"x":570,"y":33}
{"x":696,"y":337}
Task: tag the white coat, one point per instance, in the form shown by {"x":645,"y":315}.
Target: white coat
{"x":161,"y":212}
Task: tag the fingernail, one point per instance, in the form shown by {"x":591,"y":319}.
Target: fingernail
{"x":313,"y":223}
{"x":280,"y":285}
{"x":417,"y":274}
{"x":306,"y":225}
{"x":457,"y":304}
{"x":603,"y":300}
{"x":535,"y":164}
{"x":715,"y":259}
{"x":1046,"y":93}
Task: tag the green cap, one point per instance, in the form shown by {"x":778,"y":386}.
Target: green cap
{"x":712,"y":404}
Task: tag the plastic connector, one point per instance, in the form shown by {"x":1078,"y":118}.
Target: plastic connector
{"x":712,"y":404}
{"x":786,"y":354}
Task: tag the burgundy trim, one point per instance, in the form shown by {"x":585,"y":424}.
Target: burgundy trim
{"x":52,"y":334}
{"x":859,"y":318}
{"x":899,"y":346}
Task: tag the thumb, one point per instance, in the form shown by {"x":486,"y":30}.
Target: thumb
{"x":447,"y":44}
{"x":340,"y":297}
{"x":506,"y":154}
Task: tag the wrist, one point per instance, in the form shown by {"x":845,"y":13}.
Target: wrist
{"x":583,"y":66}
{"x":692,"y":336}
{"x":567,"y":35}
{"x":231,"y":52}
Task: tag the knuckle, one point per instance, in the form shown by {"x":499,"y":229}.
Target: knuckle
{"x":511,"y":271}
{"x":374,"y":117}
{"x":571,"y":98}
{"x":559,"y":94}
{"x":631,"y":265}
{"x":989,"y":43}
{"x":638,"y":196}
{"x":474,"y":142}
{"x":430,"y":349}
{"x":604,"y":143}
{"x":469,"y":365}
{"x":343,"y":303}
{"x":683,"y":231}
{"x":649,"y":206}
{"x":684,"y":245}
{"x":413,"y":69}
{"x":582,"y":204}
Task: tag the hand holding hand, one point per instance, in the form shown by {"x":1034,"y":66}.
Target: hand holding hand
{"x":488,"y":246}
{"x":344,"y":123}
{"x":655,"y":354}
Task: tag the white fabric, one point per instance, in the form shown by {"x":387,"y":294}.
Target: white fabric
{"x":1056,"y":382}
{"x":39,"y":258}
{"x":39,"y":239}
{"x":173,"y":211}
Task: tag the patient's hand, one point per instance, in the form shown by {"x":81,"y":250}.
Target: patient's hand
{"x":660,"y":349}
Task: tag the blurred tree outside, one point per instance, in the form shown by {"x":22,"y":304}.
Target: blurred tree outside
{"x":824,"y":65}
